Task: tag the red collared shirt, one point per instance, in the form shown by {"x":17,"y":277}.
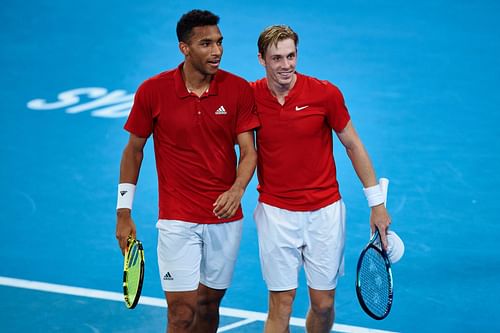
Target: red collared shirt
{"x":194,"y":140}
{"x":296,"y":169}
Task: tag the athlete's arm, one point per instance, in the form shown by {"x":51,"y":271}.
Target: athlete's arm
{"x":366,"y":174}
{"x":228,"y":202}
{"x":130,"y":166}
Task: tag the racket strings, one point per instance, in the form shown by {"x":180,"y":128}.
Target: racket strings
{"x":133,"y":272}
{"x":133,"y":255}
{"x":375,"y":282}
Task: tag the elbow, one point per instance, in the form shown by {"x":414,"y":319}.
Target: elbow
{"x":354,"y":150}
{"x":250,"y":157}
{"x":254,"y":156}
{"x":139,"y":156}
{"x":132,"y":153}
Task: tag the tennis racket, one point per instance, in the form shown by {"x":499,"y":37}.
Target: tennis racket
{"x":374,"y":285}
{"x":133,"y":272}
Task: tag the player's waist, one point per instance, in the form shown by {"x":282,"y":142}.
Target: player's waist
{"x":199,"y":209}
{"x":299,"y":200}
{"x":189,"y":216}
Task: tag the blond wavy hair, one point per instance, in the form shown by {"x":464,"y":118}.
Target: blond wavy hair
{"x":274,"y":34}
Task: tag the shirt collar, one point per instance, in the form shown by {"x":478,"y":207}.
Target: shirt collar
{"x":296,"y":89}
{"x":180,"y":86}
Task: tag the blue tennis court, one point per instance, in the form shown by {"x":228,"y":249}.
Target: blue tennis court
{"x":420,"y":82}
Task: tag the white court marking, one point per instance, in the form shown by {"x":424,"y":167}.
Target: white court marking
{"x":246,"y":316}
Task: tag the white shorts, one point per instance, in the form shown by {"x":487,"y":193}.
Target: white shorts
{"x":190,"y":253}
{"x":290,"y":239}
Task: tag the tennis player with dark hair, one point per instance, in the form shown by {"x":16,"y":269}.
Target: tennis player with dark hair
{"x":196,"y":114}
{"x":300,"y":216}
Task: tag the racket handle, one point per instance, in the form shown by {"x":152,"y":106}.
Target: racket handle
{"x":384,"y":185}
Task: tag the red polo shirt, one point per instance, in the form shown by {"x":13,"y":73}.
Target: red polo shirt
{"x":194,"y":140}
{"x":296,"y":169}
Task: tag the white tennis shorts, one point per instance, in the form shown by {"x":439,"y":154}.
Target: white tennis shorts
{"x":290,"y":239}
{"x":190,"y":253}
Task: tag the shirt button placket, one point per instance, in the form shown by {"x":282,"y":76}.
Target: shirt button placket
{"x":198,"y":112}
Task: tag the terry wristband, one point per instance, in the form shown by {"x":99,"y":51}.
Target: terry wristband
{"x":126,"y":193}
{"x":374,"y":195}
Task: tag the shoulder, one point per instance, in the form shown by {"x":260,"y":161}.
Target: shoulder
{"x":259,"y":85}
{"x":314,"y":82}
{"x":321,"y":86}
{"x":162,"y":78}
{"x":225,"y":77}
{"x":151,"y":88}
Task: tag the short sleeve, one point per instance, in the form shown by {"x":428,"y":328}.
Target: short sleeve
{"x":140,"y":119}
{"x":337,"y":113}
{"x":247,"y":118}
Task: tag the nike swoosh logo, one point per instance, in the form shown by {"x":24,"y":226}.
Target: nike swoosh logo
{"x":298,"y":108}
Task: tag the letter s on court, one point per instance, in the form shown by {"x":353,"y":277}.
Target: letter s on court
{"x":67,"y":98}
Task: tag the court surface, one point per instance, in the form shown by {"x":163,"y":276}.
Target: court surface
{"x":420,"y":80}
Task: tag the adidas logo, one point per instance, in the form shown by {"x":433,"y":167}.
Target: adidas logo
{"x":221,"y":110}
{"x":168,"y":276}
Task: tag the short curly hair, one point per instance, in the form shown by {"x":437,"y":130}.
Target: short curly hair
{"x":192,"y":19}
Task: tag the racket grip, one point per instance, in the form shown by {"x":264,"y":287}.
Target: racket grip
{"x":384,"y":186}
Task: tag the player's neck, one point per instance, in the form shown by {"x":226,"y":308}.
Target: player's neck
{"x":194,"y":80}
{"x":280,"y":91}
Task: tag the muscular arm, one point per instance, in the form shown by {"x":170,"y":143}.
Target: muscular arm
{"x":228,"y":202}
{"x":130,"y":166}
{"x":366,"y":174}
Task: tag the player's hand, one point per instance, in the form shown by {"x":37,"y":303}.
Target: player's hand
{"x":228,"y":202}
{"x":380,"y":219}
{"x":125,"y":227}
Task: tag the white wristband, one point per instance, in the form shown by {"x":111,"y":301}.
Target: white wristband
{"x":126,"y":193}
{"x":374,"y":195}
